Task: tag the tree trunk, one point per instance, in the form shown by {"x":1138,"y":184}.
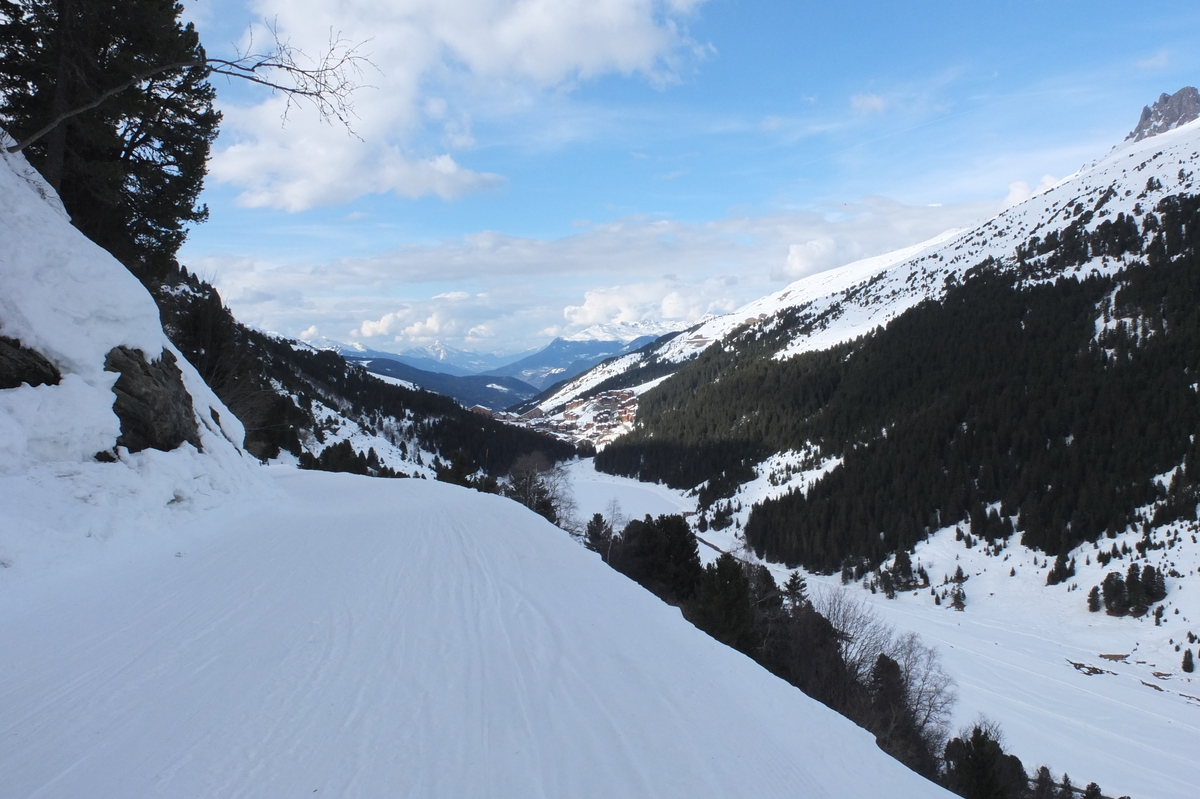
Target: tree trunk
{"x":56,"y":140}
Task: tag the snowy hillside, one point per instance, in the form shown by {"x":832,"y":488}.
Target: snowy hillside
{"x":843,"y":303}
{"x":63,"y":297}
{"x":1100,"y":696}
{"x":1093,"y":695}
{"x":185,"y":623}
{"x":365,"y":638}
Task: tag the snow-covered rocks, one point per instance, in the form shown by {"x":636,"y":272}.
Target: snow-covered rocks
{"x":70,"y":302}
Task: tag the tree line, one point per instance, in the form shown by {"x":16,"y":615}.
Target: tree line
{"x":830,"y":646}
{"x":1001,"y":394}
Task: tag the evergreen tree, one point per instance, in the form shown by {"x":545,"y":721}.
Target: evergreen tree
{"x":1116,"y":596}
{"x":1092,"y":791}
{"x":1093,"y":599}
{"x":129,"y":171}
{"x":661,"y":555}
{"x":1061,"y":570}
{"x":891,"y":718}
{"x":598,"y":535}
{"x":721,"y":604}
{"x":978,"y":768}
{"x":1043,"y":785}
{"x":1189,"y":664}
{"x":796,"y":591}
{"x":1135,"y":591}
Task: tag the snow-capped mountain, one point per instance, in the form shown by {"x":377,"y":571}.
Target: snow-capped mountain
{"x":178,"y":621}
{"x":565,"y":358}
{"x":438,"y":357}
{"x":838,"y":305}
{"x":625,"y":331}
{"x":1097,"y":263}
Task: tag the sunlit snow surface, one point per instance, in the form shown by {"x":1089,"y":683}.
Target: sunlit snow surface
{"x":1032,"y":658}
{"x":596,"y":492}
{"x":359,"y":637}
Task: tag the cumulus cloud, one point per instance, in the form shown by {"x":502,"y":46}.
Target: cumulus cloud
{"x":463,"y":290}
{"x":657,"y":301}
{"x":433,"y":62}
{"x":1020,"y":191}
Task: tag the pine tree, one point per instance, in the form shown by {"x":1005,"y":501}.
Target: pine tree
{"x":1116,"y":597}
{"x":1189,"y":664}
{"x":1043,"y":784}
{"x":598,"y":536}
{"x":796,"y":591}
{"x":1093,"y":599}
{"x":978,"y":768}
{"x":130,"y":170}
{"x":958,"y":597}
{"x":721,"y":604}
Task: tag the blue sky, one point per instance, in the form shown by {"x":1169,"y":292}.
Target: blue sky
{"x":527,"y":168}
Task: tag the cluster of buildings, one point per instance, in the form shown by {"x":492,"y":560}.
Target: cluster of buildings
{"x":599,"y":420}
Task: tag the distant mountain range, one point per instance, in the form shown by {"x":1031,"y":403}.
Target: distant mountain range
{"x":495,"y":381}
{"x":490,"y":391}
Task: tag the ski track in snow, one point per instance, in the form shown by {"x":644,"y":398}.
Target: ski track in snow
{"x":363,"y":638}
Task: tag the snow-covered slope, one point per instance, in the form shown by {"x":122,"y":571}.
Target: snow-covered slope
{"x":843,"y":303}
{"x":366,"y":638}
{"x":67,"y":299}
{"x":1100,"y":697}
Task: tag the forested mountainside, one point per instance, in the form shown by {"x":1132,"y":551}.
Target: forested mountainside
{"x":294,"y":398}
{"x":1040,"y":391}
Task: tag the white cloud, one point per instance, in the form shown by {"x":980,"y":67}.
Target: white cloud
{"x":1160,"y":60}
{"x":469,"y":290}
{"x":1020,"y":191}
{"x":868,"y":103}
{"x":436,"y":62}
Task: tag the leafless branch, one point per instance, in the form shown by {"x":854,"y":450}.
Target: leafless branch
{"x":326,"y":83}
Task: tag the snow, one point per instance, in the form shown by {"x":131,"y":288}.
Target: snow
{"x":624,"y":331}
{"x":188,"y":623}
{"x":359,"y":637}
{"x":595,"y":492}
{"x":1133,"y":727}
{"x":395,"y":381}
{"x":68,"y":299}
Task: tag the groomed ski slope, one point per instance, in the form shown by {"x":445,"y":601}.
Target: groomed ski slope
{"x":357,"y":637}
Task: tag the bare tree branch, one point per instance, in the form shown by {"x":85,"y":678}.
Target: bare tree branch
{"x":327,"y":84}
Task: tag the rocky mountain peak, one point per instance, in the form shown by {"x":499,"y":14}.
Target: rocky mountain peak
{"x":1168,"y":113}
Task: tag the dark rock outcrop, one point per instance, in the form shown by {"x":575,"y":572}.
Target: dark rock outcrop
{"x":19,"y":365}
{"x":1168,"y":113}
{"x":154,"y":407}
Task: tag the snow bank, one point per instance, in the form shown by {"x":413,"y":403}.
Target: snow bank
{"x":69,"y":300}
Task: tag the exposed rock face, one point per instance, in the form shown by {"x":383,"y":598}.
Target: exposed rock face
{"x":1168,"y":113}
{"x":154,"y":407}
{"x":20,"y":365}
